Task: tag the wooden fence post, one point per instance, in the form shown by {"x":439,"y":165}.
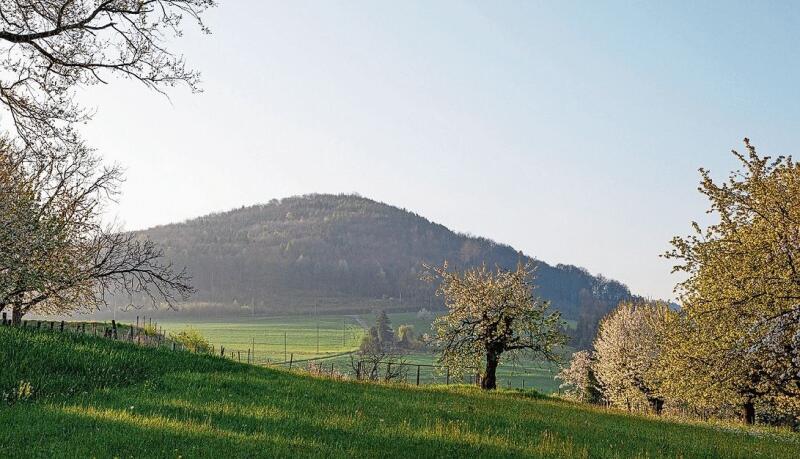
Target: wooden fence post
{"x":5,"y":317}
{"x":418,"y":374}
{"x":61,"y":330}
{"x":222,"y":351}
{"x":240,"y":356}
{"x":291,"y":359}
{"x":51,"y":325}
{"x":358,"y":371}
{"x":248,"y":355}
{"x":331,"y":369}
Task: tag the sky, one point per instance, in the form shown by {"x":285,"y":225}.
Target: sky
{"x":572,"y":131}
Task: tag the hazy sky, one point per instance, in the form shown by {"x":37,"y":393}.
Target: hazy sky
{"x":570,"y":130}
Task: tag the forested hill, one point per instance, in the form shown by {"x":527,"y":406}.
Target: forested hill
{"x":347,"y":251}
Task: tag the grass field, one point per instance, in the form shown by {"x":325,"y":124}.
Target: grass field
{"x":274,"y":339}
{"x":277,"y":339}
{"x":96,"y":398}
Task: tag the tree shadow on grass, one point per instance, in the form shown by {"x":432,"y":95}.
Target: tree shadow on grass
{"x":256,"y":412}
{"x":160,"y":430}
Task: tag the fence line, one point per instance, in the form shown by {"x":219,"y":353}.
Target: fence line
{"x":115,"y":331}
{"x":144,"y":333}
{"x":382,"y":371}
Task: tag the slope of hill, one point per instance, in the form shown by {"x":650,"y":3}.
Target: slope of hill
{"x":90,"y":397}
{"x":347,"y":253}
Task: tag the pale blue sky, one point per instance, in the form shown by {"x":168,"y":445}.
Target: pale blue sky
{"x":570,"y":130}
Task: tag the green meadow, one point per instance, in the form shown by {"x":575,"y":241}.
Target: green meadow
{"x":332,"y":337}
{"x":276,"y":339}
{"x":80,"y":396}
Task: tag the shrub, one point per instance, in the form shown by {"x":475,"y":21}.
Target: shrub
{"x":149,"y":330}
{"x":193,"y":340}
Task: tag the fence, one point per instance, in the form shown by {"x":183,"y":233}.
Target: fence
{"x":144,"y":335}
{"x":349,"y":367}
{"x":342,"y":365}
{"x":275,"y":347}
{"x":146,"y":332}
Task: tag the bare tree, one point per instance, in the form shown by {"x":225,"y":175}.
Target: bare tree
{"x":377,"y":364}
{"x":56,"y":256}
{"x":52,"y":46}
{"x":376,"y":354}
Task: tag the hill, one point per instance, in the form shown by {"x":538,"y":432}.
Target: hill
{"x":346,"y":253}
{"x":91,"y":397}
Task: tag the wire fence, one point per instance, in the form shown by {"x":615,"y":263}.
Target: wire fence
{"x":267,"y":342}
{"x":344,"y":363}
{"x":272,"y":347}
{"x":144,"y":334}
{"x":401,"y":371}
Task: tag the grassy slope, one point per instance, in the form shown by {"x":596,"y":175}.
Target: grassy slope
{"x":103,"y":399}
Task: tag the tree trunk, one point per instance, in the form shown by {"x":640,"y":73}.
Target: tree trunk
{"x":489,"y":379}
{"x":657,"y":404}
{"x":16,"y":315}
{"x":749,"y":413}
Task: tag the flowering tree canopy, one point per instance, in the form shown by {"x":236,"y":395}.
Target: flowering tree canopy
{"x":739,"y":336}
{"x":627,"y":351}
{"x":578,"y":379}
{"x":492,"y":313}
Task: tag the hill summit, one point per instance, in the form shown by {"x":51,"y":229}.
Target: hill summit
{"x":347,"y":253}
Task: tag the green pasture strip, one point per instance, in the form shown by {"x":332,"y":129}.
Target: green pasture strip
{"x":274,"y":339}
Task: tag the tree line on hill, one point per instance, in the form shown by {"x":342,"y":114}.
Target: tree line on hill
{"x":57,"y":257}
{"x":304,"y":253}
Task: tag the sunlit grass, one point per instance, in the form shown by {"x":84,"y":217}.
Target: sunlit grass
{"x":180,"y":404}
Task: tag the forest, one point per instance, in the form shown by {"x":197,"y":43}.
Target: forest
{"x":339,"y":253}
